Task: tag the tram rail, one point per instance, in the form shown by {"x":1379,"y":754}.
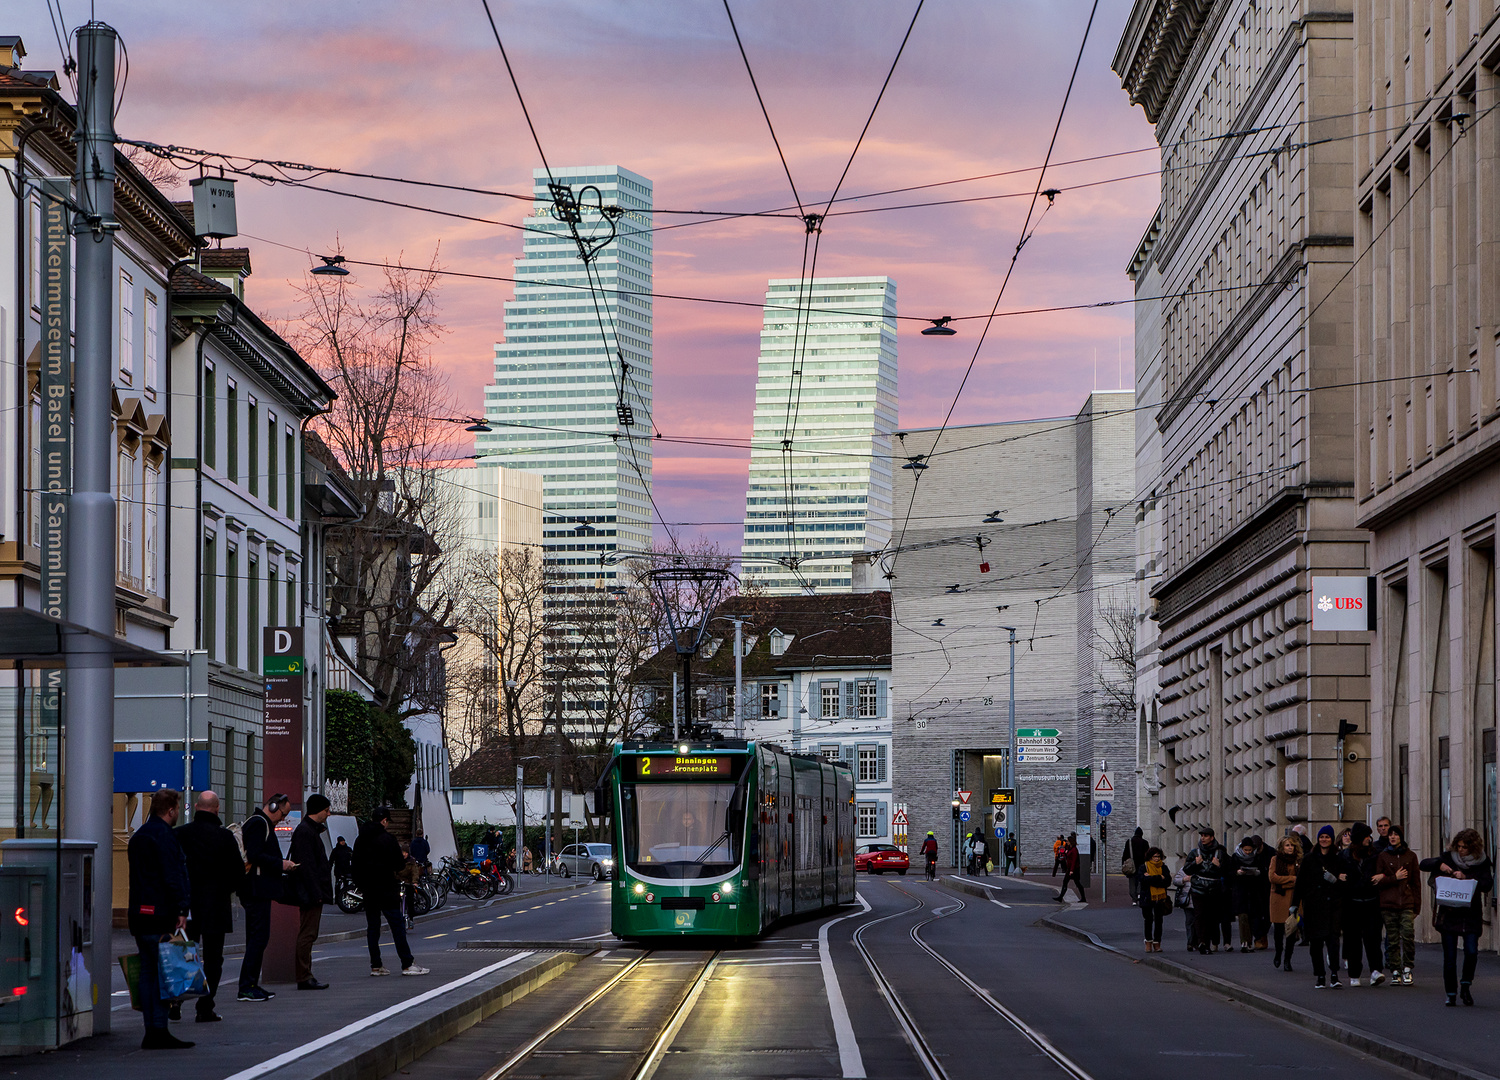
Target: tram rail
{"x":649,"y":1058}
{"x":909,"y":1026}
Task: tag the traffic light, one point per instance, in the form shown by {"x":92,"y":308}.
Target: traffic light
{"x":955,"y":809}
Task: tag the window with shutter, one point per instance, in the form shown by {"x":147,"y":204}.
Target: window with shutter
{"x":868,"y":767}
{"x":849,"y":699}
{"x":880,"y":698}
{"x":828,"y":693}
{"x":880,"y":769}
{"x":867,"y":699}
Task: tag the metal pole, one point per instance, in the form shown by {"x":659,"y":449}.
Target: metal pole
{"x":1010,"y":757}
{"x":91,"y":533}
{"x":555,"y":803}
{"x":687,"y":692}
{"x":675,"y":733}
{"x":187,"y":737}
{"x":739,"y":678}
{"x":547,"y":832}
{"x":520,"y":816}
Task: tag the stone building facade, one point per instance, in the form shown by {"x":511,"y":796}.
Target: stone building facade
{"x":1427,"y":330}
{"x":1251,"y":101}
{"x":957,"y":586}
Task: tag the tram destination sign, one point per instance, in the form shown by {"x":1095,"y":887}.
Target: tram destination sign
{"x":667,"y":766}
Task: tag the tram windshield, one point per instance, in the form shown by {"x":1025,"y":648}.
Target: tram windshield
{"x":681,"y":830}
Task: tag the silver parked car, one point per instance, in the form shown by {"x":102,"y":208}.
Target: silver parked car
{"x":596,"y":860}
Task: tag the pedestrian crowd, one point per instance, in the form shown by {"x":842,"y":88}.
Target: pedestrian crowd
{"x":1353,"y":899}
{"x":183,"y":879}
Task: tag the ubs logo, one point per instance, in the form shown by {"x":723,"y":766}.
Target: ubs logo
{"x":1341,"y":603}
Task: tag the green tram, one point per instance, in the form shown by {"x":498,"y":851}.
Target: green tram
{"x":725,"y":838}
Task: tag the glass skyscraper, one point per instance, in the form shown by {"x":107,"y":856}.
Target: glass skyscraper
{"x":826,"y":383}
{"x":557,"y":381}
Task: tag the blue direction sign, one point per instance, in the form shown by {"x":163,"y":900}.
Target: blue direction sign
{"x":963,"y":815}
{"x":1103,"y":809}
{"x":999,"y":832}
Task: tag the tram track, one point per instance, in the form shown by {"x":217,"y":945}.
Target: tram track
{"x":909,"y":1024}
{"x":602,"y":1063}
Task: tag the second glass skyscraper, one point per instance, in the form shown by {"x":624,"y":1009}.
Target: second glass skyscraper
{"x":825,"y":409}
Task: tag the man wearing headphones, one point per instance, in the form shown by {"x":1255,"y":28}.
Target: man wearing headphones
{"x":264,"y":866}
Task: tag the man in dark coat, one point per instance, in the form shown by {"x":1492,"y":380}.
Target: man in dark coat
{"x":421,"y":850}
{"x":378,"y":858}
{"x":343,"y":862}
{"x":262,"y":887}
{"x":216,"y":871}
{"x":1207,"y":864}
{"x":1135,"y":850}
{"x":160,"y":899}
{"x":309,"y":885}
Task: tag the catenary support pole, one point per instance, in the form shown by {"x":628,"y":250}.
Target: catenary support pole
{"x":520,"y":817}
{"x":1010,"y":757}
{"x":90,"y":711}
{"x":739,"y":678}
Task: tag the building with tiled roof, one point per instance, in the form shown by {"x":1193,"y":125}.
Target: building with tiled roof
{"x":815,"y":677}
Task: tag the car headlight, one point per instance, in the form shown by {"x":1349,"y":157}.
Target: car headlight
{"x":606,"y":862}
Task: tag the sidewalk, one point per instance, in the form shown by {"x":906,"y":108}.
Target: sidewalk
{"x":1410,"y":1027}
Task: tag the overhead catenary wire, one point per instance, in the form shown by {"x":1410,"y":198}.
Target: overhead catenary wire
{"x":1015,"y":256}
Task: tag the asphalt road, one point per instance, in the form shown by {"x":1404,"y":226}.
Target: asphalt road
{"x":1056,"y":1007}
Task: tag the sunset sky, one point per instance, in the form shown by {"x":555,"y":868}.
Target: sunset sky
{"x":419,"y":91}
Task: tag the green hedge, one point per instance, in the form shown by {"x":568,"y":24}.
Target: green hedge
{"x":395,"y":757}
{"x":347,"y":752}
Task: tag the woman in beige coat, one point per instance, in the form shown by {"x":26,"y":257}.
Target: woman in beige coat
{"x":1283,"y":878}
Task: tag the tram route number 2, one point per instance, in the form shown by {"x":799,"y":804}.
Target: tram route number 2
{"x":664,"y":766}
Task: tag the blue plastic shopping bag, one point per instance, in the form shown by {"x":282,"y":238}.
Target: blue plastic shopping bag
{"x":181,"y":970}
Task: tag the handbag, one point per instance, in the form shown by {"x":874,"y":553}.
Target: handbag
{"x":180,"y":969}
{"x":1451,"y":892}
{"x":1127,"y":866}
{"x":1293,"y":922}
{"x":1164,"y":906}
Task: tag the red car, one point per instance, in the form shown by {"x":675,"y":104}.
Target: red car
{"x":878,"y":858}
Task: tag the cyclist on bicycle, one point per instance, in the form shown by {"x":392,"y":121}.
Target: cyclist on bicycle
{"x":929,"y":851}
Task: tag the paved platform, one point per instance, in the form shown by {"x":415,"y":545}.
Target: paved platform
{"x":359,"y":1029}
{"x":1408,"y":1026}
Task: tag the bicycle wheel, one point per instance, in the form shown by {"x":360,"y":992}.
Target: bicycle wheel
{"x":349,"y":900}
{"x":478,"y":887}
{"x":421,"y":901}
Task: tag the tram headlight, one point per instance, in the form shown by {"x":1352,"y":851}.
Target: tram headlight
{"x":639,"y":888}
{"x":727,"y":888}
{"x":683,"y":749}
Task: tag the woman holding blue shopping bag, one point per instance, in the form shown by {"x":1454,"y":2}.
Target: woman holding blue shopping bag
{"x":159,"y":896}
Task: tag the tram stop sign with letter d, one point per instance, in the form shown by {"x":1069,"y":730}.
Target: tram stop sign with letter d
{"x":1343,"y":603}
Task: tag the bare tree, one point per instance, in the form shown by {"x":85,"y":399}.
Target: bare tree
{"x":1114,"y":645}
{"x":388,"y":429}
{"x":155,"y":168}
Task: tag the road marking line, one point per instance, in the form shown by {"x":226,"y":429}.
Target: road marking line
{"x":994,"y":901}
{"x":431,"y":936}
{"x":850,"y":1061}
{"x":272,"y":1064}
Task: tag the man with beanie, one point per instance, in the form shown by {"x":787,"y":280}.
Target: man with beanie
{"x":1361,"y":911}
{"x":1399,"y":880}
{"x":159,"y":901}
{"x":309,"y":885}
{"x":1206,"y":866}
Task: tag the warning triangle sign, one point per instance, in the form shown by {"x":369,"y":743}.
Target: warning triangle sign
{"x":1104,"y":787}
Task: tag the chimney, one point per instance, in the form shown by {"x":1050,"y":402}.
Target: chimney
{"x":864,"y":573}
{"x":12,"y":51}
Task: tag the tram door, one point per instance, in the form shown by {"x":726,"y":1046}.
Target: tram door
{"x":844,"y":800}
{"x":769,"y":818}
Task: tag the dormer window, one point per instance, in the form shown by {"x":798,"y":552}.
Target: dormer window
{"x":779,"y":642}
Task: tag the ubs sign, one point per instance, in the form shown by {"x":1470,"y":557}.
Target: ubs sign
{"x":1343,"y":603}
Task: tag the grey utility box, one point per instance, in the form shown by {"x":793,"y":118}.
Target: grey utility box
{"x":213,"y":207}
{"x":46,"y":920}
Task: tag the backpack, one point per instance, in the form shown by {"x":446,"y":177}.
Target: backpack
{"x":237,"y":830}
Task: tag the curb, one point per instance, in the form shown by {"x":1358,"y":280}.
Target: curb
{"x":1414,"y":1061}
{"x":353,"y":935}
{"x":402,"y":1041}
{"x":583,"y":948}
